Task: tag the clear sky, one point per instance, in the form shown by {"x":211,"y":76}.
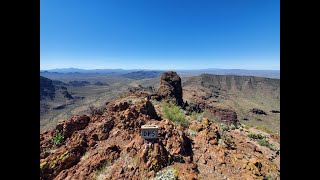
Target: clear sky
{"x":160,"y":34}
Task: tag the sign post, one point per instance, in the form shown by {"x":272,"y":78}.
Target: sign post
{"x":149,"y":132}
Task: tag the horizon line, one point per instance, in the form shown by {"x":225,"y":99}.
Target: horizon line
{"x":168,"y":69}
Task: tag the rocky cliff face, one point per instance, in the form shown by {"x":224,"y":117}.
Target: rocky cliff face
{"x":225,"y":115}
{"x":170,"y":87}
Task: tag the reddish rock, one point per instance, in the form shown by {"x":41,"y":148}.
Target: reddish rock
{"x":225,"y":115}
{"x":148,"y":109}
{"x":151,"y":174}
{"x":73,"y":124}
{"x":87,"y":168}
{"x":205,"y":122}
{"x":111,"y":147}
{"x":187,"y":171}
{"x":196,"y":127}
{"x":170,"y":87}
{"x":120,"y":106}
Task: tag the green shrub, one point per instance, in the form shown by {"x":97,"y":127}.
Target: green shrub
{"x":100,"y":170}
{"x":267,"y":177}
{"x":256,"y":136}
{"x":221,"y":142}
{"x":195,"y":116}
{"x":192,"y":133}
{"x":224,"y":127}
{"x":241,"y":125}
{"x":262,"y":140}
{"x":174,"y":113}
{"x":233,"y":127}
{"x":129,"y":101}
{"x":57,"y":138}
{"x":169,"y":160}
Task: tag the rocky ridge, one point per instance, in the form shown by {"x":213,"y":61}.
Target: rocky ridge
{"x":109,"y":146}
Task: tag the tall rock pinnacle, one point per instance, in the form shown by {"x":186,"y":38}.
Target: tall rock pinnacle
{"x":170,"y":87}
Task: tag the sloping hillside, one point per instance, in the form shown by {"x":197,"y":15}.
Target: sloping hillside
{"x":50,"y":89}
{"x":52,"y":92}
{"x":54,"y":96}
{"x":239,"y":93}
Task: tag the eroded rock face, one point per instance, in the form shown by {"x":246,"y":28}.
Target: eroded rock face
{"x":120,"y":106}
{"x":65,"y":157}
{"x":226,"y":115}
{"x":66,"y":129}
{"x":85,"y":168}
{"x":73,"y":124}
{"x":170,"y":87}
{"x":148,"y":109}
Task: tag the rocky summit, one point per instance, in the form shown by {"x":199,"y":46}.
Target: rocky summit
{"x":108,"y":145}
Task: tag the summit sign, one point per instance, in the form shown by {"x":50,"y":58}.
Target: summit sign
{"x":149,"y":131}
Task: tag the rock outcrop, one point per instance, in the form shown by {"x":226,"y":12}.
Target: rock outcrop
{"x":170,"y":87}
{"x":67,"y":95}
{"x":148,"y":109}
{"x":73,"y":124}
{"x":258,"y":111}
{"x":106,"y":138}
{"x":225,"y":115}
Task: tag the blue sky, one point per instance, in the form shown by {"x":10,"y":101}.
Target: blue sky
{"x":160,"y":34}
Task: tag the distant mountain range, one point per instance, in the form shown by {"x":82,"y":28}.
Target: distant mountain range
{"x":76,"y":70}
{"x":238,"y":72}
{"x":144,"y":73}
